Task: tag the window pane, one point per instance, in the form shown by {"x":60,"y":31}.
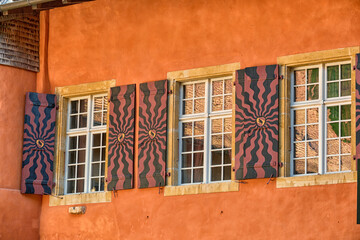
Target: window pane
{"x":333,"y":130}
{"x":199,"y":128}
{"x":312,"y":149}
{"x":199,"y":105}
{"x":71,"y":171}
{"x":105,"y":103}
{"x":227,"y":140}
{"x":198,"y":143}
{"x":186,"y":176}
{"x":71,"y":187}
{"x":81,"y":156}
{"x":80,"y":171}
{"x":312,"y":165}
{"x":80,"y":186}
{"x":83,"y":105}
{"x":103,"y":139}
{"x":198,"y":159}
{"x":227,"y":156}
{"x":313,"y":75}
{"x":95,"y":185}
{"x":103,"y":169}
{"x":216,"y":125}
{"x":345,"y":163}
{"x":104,"y":118}
{"x":299,"y":116}
{"x":103,"y":154}
{"x":74,"y":122}
{"x":332,"y":147}
{"x":345,"y":71}
{"x":187,"y":129}
{"x":74,"y":106}
{"x":188,"y":107}
{"x":216,"y":141}
{"x":345,"y":112}
{"x":332,"y":90}
{"x":188,"y":91}
{"x":200,"y":90}
{"x":299,"y":166}
{"x":312,"y":115}
{"x":97,"y":119}
{"x":217,"y":103}
{"x":96,"y":140}
{"x":345,"y":129}
{"x":95,"y":169}
{"x":227,"y":124}
{"x":299,"y":77}
{"x":95,"y":155}
{"x":72,"y":157}
{"x":187,"y":144}
{"x":198,"y":175}
{"x":217,"y":87}
{"x":333,"y":113}
{"x":299,"y":133}
{"x":215,"y":157}
{"x":312,"y":132}
{"x":299,"y":150}
{"x":82,"y":141}
{"x":72,"y":142}
{"x":228,"y":86}
{"x":333,"y":73}
{"x":299,"y":94}
{"x":332,"y":164}
{"x":98,"y":103}
{"x":345,"y":88}
{"x":345,"y":146}
{"x":83,"y":121}
{"x":215,"y":173}
{"x":228,"y":102}
{"x":313,"y":92}
{"x":227,"y":173}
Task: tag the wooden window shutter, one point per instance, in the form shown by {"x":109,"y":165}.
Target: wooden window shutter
{"x":39,"y":141}
{"x":121,"y":138}
{"x":357,"y":78}
{"x":256,"y":123}
{"x":152,"y":133}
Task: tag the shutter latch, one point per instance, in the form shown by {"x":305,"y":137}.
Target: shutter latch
{"x":270,"y":179}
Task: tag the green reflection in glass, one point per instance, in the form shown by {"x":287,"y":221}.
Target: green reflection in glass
{"x":345,"y":71}
{"x":313,"y":92}
{"x":345,"y":88}
{"x":332,"y":90}
{"x":332,"y":73}
{"x":345,"y":112}
{"x":345,"y":129}
{"x":313,"y":75}
{"x":332,"y":113}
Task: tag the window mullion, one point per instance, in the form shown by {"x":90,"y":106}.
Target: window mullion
{"x":322,"y":140}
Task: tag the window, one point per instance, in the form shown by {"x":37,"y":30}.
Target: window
{"x":321,"y":119}
{"x":205,"y":124}
{"x":86,"y":144}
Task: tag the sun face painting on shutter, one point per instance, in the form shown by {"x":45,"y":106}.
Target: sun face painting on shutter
{"x":152,"y":133}
{"x":256,"y":122}
{"x":121,"y":138}
{"x":39,"y":140}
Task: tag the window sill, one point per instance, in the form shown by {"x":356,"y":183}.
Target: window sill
{"x":201,"y":188}
{"x":313,"y":180}
{"x":83,"y":198}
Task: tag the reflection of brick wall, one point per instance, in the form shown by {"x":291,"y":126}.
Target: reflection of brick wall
{"x":19,"y":41}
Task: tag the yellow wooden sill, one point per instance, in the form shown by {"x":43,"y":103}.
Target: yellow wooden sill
{"x":201,"y":188}
{"x":313,"y":180}
{"x":81,"y":198}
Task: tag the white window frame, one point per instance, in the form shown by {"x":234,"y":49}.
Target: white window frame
{"x":89,"y":131}
{"x":207,"y":116}
{"x":321,"y":103}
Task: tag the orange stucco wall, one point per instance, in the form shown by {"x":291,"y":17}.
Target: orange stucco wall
{"x":19,"y":214}
{"x":141,"y":40}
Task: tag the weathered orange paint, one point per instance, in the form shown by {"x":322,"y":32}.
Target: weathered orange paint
{"x":138,"y":41}
{"x":19,"y":214}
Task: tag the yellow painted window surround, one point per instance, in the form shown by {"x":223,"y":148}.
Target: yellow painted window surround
{"x":175,"y":80}
{"x":63,"y":95}
{"x":288,"y":63}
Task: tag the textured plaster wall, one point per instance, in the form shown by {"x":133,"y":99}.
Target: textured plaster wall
{"x":19,"y":214}
{"x":141,"y":40}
